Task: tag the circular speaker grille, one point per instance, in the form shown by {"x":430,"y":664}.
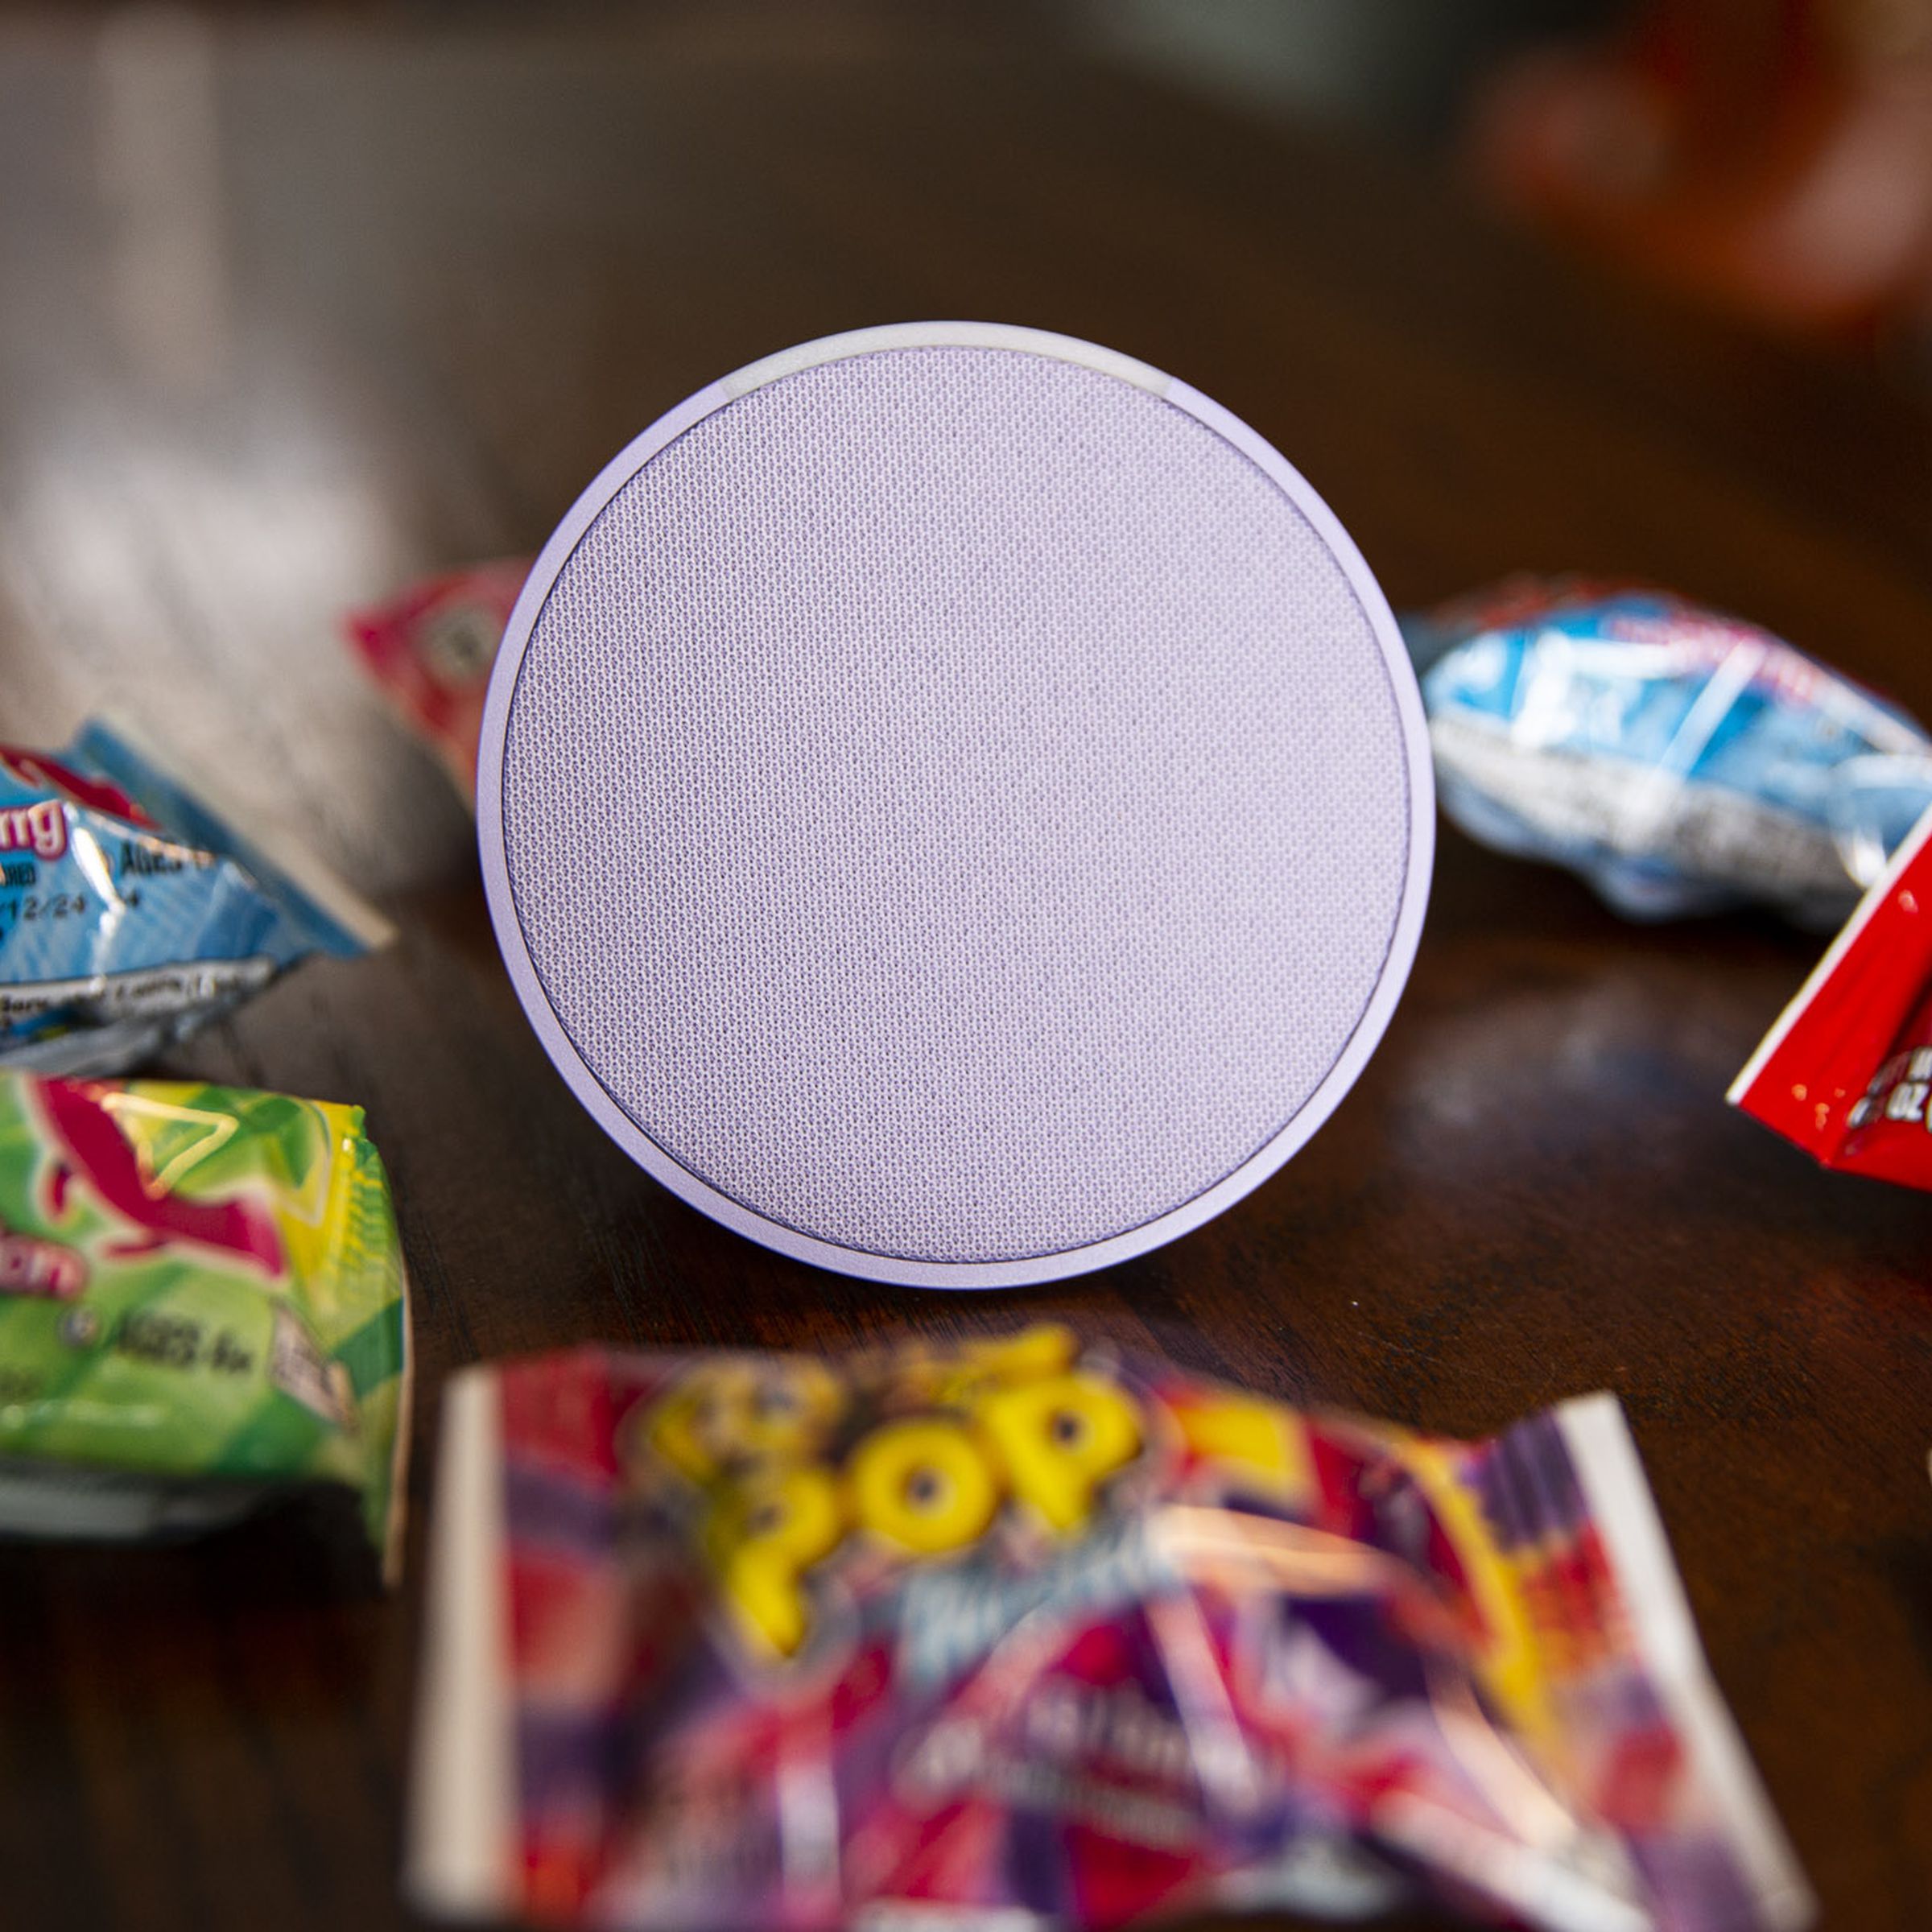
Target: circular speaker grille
{"x":954,"y":804}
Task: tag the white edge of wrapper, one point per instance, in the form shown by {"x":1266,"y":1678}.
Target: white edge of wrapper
{"x":1876,"y":895}
{"x":1625,"y":1514}
{"x":462,"y":1798}
{"x":319,"y":880}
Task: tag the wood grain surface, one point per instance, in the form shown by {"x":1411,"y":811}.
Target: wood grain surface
{"x":291,"y":308}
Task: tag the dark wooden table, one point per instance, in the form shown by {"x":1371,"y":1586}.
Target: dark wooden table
{"x":290,"y":309}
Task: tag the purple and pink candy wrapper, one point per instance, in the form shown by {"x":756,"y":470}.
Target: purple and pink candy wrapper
{"x":1023,"y":1633}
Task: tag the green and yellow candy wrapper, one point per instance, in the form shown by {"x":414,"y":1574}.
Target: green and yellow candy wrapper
{"x":202,"y":1305}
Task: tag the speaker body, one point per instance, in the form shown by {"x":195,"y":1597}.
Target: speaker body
{"x":955,"y":805}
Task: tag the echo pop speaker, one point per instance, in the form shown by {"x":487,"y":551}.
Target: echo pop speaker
{"x":955,"y":805}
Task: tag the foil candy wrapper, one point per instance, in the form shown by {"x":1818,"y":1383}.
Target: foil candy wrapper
{"x":1021,"y":1633}
{"x":202,"y":1308}
{"x":430,"y":649}
{"x":134,"y":909}
{"x":1681,"y":761}
{"x":1846,"y":1073}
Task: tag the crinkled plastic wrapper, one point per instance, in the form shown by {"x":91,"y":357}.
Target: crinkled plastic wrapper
{"x":1019,"y":1634}
{"x":1847,"y":1071}
{"x":133,"y":909}
{"x":202,"y":1309}
{"x":1681,"y":761}
{"x":431,"y":649}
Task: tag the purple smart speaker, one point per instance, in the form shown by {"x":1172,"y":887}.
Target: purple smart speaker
{"x":955,"y":805}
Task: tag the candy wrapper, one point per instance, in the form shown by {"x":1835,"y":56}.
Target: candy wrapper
{"x":1018,"y":1634}
{"x":1681,"y":762}
{"x":133,"y":909}
{"x":431,"y":649}
{"x":201,"y":1307}
{"x":1847,"y":1071}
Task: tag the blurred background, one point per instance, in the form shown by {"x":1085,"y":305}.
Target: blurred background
{"x":301,"y":302}
{"x":1772,"y":155}
{"x":337,"y":294}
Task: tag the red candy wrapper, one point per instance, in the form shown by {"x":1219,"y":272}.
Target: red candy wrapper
{"x":1018,"y":1634}
{"x":1847,"y":1071}
{"x":431,"y":649}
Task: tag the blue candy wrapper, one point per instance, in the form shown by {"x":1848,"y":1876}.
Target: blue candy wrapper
{"x":132,"y":909}
{"x":1681,"y":761}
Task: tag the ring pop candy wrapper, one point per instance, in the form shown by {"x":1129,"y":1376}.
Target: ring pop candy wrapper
{"x":431,"y":649}
{"x":202,"y":1306}
{"x":1016,"y":1634}
{"x":133,"y":909}
{"x":1681,"y":761}
{"x":1846,"y":1071}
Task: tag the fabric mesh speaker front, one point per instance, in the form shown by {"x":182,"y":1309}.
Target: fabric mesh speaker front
{"x":954,"y":803}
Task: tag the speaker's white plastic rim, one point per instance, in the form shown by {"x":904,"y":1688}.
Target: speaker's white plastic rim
{"x":1027,"y":1270}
